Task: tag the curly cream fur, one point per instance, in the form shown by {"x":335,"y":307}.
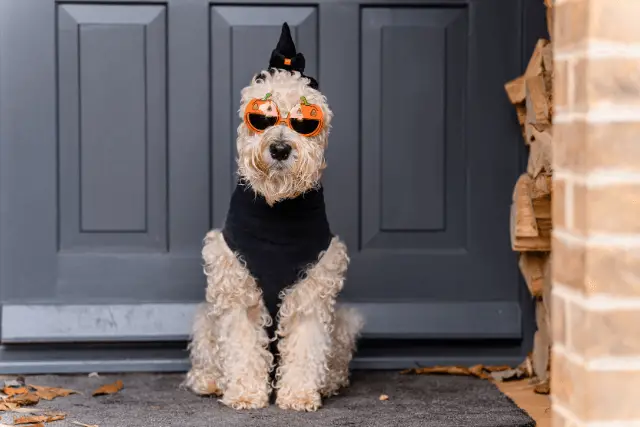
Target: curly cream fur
{"x":230,"y":348}
{"x":315,"y":341}
{"x":303,"y":170}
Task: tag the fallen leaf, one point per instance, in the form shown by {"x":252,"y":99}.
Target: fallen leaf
{"x":451,"y":370}
{"x":30,"y":410}
{"x":384,"y":397}
{"x":82,"y":424}
{"x":8,"y":406}
{"x":511,"y":374}
{"x":479,"y":371}
{"x":497,"y":368}
{"x":39,"y":419}
{"x":50,"y":393}
{"x":12,"y":391}
{"x":542,"y":388}
{"x":109,"y":389}
{"x":24,"y":399}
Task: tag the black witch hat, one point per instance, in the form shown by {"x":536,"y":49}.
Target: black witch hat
{"x":285,"y":57}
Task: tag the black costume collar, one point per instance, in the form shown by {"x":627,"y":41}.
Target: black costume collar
{"x":277,"y":243}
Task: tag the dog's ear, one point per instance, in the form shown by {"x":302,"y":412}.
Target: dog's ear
{"x":259,"y":78}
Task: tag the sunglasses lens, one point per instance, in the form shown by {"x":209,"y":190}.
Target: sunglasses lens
{"x":305,"y":126}
{"x":260,"y":121}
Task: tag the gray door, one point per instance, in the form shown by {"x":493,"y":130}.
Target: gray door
{"x":117,"y":133}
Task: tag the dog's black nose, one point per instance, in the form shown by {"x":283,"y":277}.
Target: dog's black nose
{"x":280,"y":151}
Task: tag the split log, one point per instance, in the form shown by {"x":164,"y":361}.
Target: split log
{"x":545,"y":227}
{"x":537,"y":101}
{"x":515,"y":90}
{"x":532,"y":267}
{"x":536,"y":63}
{"x":542,"y":186}
{"x":542,"y":208}
{"x":550,"y":16}
{"x":527,"y":232}
{"x":540,"y":148}
{"x":538,"y":243}
{"x":521,"y":111}
{"x":546,"y":288}
{"x":525,"y":218}
{"x":541,"y":344}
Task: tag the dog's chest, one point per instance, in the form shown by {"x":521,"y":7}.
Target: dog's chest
{"x":277,"y":244}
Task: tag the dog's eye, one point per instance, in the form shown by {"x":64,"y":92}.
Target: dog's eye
{"x":305,"y":126}
{"x":261,"y":122}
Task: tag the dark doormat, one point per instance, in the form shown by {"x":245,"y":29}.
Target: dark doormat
{"x":414,"y":400}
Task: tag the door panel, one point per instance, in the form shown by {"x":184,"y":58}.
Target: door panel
{"x":95,"y":219}
{"x":431,"y":172}
{"x":413,"y":176}
{"x":112,"y":127}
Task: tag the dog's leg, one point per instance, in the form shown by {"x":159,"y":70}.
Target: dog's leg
{"x":347,"y":325}
{"x":306,"y":320}
{"x":239,"y":341}
{"x":204,"y":376}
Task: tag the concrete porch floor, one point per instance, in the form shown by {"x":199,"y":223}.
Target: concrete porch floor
{"x":414,"y":400}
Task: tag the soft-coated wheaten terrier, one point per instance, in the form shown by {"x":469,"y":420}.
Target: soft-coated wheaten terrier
{"x":275,"y":269}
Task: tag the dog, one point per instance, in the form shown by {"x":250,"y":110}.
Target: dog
{"x":274,"y":271}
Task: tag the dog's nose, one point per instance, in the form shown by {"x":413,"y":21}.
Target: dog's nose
{"x":280,"y":151}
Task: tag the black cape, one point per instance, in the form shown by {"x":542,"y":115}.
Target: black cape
{"x":278,"y":243}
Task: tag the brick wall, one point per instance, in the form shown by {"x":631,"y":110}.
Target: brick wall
{"x":596,"y":214}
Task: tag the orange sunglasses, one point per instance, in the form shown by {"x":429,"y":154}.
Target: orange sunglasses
{"x":304,"y":118}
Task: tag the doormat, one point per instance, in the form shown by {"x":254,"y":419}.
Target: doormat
{"x":413,"y":401}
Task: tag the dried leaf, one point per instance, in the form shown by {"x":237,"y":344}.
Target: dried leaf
{"x":542,"y":388}
{"x":82,"y":424}
{"x":50,"y":393}
{"x":24,"y":399}
{"x":510,"y":374}
{"x":40,"y":419}
{"x":451,"y":370}
{"x":30,"y":410}
{"x":499,"y":368}
{"x":479,"y":371}
{"x":7,"y":406}
{"x":109,"y":388}
{"x":13,"y":391}
{"x":384,"y":397}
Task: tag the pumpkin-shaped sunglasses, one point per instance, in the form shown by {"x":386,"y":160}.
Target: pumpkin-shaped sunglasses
{"x":304,"y":118}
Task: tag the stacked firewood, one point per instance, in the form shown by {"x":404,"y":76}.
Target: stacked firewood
{"x":531,"y":225}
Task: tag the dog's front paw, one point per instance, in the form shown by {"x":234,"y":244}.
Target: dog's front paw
{"x":203,"y":385}
{"x":237,"y":399}
{"x":299,"y":400}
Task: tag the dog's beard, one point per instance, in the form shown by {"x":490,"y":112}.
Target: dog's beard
{"x":278,"y":180}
